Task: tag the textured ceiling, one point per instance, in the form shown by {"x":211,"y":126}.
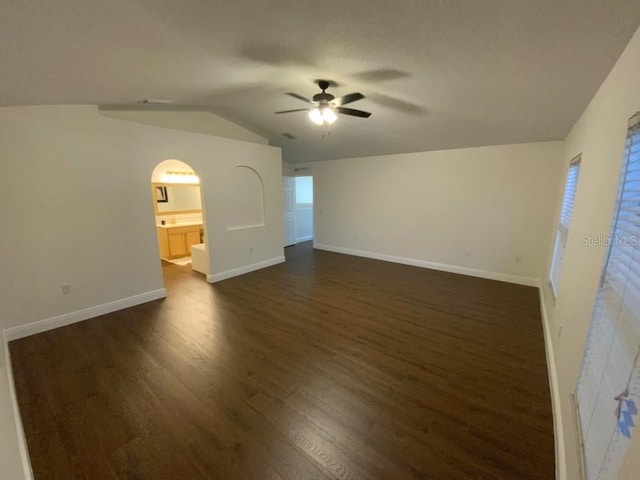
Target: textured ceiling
{"x":437,"y":74}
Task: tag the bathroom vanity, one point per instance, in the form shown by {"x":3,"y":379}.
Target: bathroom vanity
{"x":175,"y":241}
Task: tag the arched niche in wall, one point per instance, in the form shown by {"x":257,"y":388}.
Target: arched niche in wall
{"x":245,"y":195}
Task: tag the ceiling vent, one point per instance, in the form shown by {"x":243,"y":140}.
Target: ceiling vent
{"x":155,"y":101}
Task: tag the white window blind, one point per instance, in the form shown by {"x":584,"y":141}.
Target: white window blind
{"x":608,"y":390}
{"x":565,"y":220}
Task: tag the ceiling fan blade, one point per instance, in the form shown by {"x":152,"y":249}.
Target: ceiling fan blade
{"x":397,"y":104}
{"x":299,"y":97}
{"x":353,"y":112}
{"x":380,"y":75}
{"x":296,"y":110}
{"x":352,"y":97}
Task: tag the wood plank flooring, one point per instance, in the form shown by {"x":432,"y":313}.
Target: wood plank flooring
{"x":326,"y":366}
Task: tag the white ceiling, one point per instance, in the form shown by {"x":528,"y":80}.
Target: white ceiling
{"x":437,"y":74}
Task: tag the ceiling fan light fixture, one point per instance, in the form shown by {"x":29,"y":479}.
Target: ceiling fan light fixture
{"x":329,"y":116}
{"x":316,"y":116}
{"x":324,"y":111}
{"x":323,"y":115}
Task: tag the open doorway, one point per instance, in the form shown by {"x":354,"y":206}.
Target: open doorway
{"x":297,"y":209}
{"x":177,"y":202}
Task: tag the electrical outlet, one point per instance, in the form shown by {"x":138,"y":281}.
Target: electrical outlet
{"x":66,"y":289}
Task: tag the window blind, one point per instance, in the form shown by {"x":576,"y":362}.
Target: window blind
{"x":608,"y":390}
{"x":566,"y":212}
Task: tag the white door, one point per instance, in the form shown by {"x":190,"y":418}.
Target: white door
{"x":289,"y":210}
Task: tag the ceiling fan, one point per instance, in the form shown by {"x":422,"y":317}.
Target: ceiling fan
{"x":324,"y":106}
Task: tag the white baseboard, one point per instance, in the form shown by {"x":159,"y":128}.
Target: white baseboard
{"x":558,"y":430}
{"x":473,"y":272}
{"x":234,"y":272}
{"x":22,"y":441}
{"x":39,"y":326}
{"x":304,"y":239}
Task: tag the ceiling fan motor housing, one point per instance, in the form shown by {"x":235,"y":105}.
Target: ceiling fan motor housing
{"x":323,"y":98}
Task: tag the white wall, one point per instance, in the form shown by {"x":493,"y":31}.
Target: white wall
{"x":77,"y":207}
{"x":599,"y":135}
{"x":487,"y":208}
{"x":10,"y":456}
{"x":288,"y":169}
{"x":198,"y":122}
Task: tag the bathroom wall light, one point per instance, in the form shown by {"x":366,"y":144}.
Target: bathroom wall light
{"x":179,"y":177}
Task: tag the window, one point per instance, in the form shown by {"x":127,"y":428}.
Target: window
{"x":608,"y":390}
{"x":565,"y":219}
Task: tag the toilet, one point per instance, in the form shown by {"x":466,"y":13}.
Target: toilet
{"x":200,"y":258}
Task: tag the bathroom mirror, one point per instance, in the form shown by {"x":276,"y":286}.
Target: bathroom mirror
{"x":171,"y":198}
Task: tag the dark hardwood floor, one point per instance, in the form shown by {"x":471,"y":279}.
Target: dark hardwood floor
{"x":327,"y":366}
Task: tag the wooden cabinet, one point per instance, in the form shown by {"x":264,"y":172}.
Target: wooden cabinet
{"x":192,"y":238}
{"x":177,"y":245}
{"x":175,"y":242}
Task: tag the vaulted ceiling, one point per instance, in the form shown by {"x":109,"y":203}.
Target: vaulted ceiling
{"x":436,"y":74}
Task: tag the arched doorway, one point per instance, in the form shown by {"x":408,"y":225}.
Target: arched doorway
{"x":179,"y":215}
